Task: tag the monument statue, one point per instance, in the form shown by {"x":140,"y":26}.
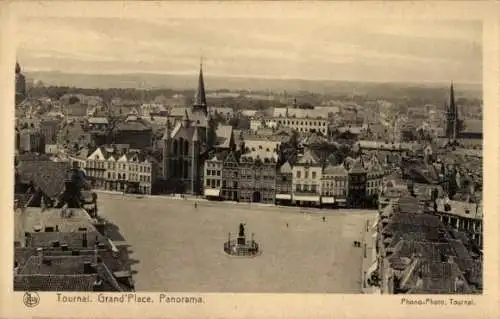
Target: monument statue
{"x":242,"y":230}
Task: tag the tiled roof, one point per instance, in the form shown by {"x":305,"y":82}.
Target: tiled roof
{"x":135,"y":125}
{"x":74,"y":240}
{"x":54,"y":283}
{"x":337,"y":170}
{"x":32,"y":217}
{"x":47,"y":175}
{"x":357,"y":167}
{"x":309,"y":157}
{"x":437,"y":278}
{"x":56,"y":265}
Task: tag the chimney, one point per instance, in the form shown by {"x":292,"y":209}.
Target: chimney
{"x":84,"y":240}
{"x":87,"y":268}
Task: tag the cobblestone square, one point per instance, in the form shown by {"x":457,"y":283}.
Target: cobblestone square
{"x":178,"y":247}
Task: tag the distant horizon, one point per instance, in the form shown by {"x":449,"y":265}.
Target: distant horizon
{"x":251,"y":77}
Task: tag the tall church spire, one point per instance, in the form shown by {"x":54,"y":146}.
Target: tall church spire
{"x":200,"y":99}
{"x":452,"y":115}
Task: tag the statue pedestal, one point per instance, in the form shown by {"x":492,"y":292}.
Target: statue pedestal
{"x":241,"y":240}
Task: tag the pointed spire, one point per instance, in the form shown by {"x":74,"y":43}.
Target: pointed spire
{"x":185,"y":119}
{"x":196,"y":137}
{"x":200,"y":99}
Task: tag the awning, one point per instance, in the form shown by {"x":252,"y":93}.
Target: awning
{"x":328,"y":200}
{"x":284,"y":196}
{"x":340,"y":200}
{"x":212,"y":192}
{"x":306,"y":198}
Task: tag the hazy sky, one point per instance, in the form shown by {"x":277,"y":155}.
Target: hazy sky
{"x":254,"y":45}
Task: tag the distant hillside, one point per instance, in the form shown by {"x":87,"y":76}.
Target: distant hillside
{"x":188,"y":82}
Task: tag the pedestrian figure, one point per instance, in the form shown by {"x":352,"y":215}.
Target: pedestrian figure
{"x":195,"y":205}
{"x":324,"y":219}
{"x":286,"y":225}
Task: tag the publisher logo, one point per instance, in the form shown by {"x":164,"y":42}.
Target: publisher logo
{"x":31,"y":299}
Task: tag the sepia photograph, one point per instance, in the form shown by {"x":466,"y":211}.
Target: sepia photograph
{"x":271,"y":156}
{"x":164,"y":152}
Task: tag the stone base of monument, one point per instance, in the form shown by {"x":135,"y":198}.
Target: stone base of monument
{"x":241,"y":247}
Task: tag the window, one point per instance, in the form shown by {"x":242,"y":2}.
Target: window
{"x":306,"y":174}
{"x":218,"y":183}
{"x":208,"y":183}
{"x":218,"y":173}
{"x":224,"y":183}
{"x":298,"y":174}
{"x":314,"y":175}
{"x":297,"y":188}
{"x":306,"y":188}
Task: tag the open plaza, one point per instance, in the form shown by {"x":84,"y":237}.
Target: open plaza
{"x":175,"y":246}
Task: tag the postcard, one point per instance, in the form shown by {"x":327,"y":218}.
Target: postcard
{"x":250,"y":159}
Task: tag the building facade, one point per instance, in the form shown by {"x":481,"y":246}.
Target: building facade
{"x":284,"y":184}
{"x":306,"y":180}
{"x":258,"y":177}
{"x":334,"y":185}
{"x":127,"y":171}
{"x":213,"y":176}
{"x":31,"y":140}
{"x":231,"y":177}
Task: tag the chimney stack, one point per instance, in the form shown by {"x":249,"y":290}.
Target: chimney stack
{"x":84,"y":240}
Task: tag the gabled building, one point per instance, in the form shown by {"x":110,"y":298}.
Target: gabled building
{"x":284,"y":184}
{"x":258,"y":176}
{"x":231,"y":177}
{"x":123,"y":170}
{"x":357,"y":182}
{"x":334,"y":185}
{"x":307,"y":175}
{"x":213,"y":176}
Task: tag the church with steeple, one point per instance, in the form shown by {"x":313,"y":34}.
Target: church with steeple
{"x":188,"y":139}
{"x":452,"y":121}
{"x":465,"y":132}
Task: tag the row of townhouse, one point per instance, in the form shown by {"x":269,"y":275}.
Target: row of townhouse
{"x":256,"y":177}
{"x":120,"y":169}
